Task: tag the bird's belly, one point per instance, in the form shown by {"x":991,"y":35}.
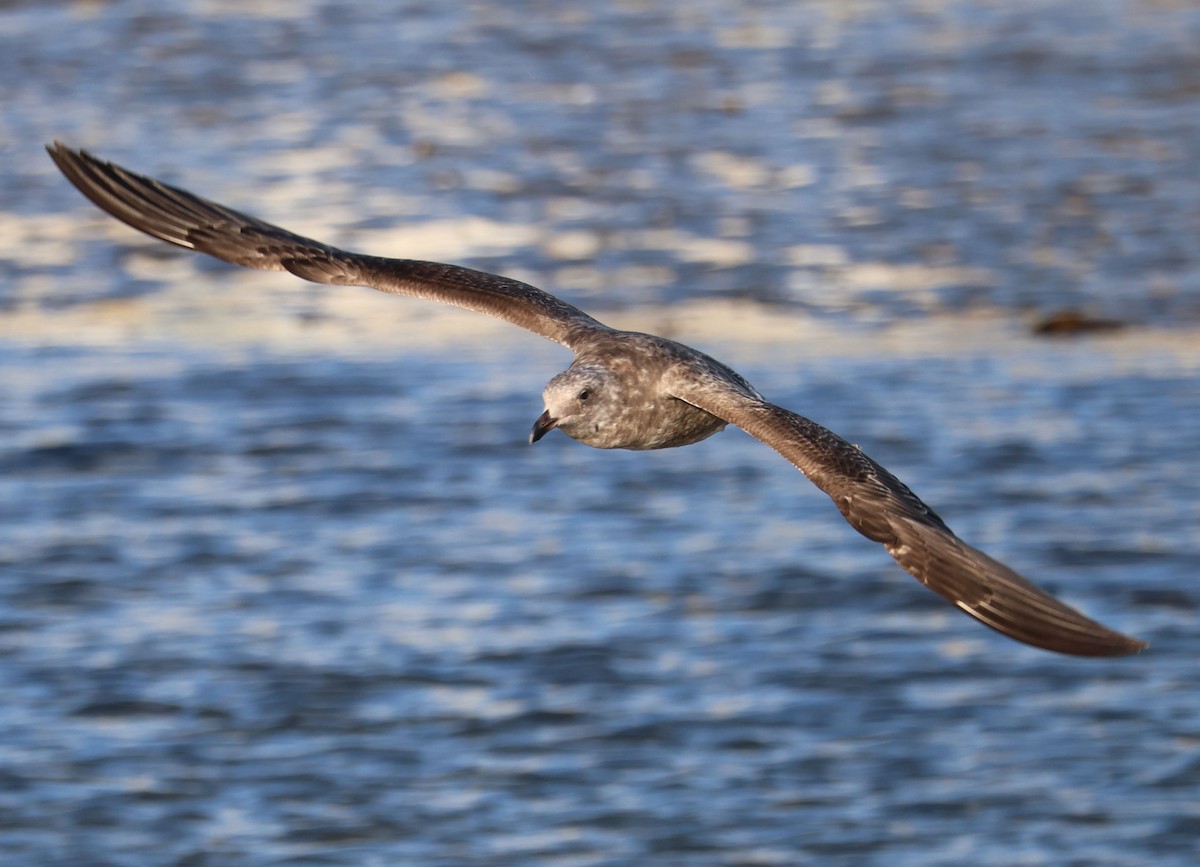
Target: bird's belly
{"x":668,"y":426}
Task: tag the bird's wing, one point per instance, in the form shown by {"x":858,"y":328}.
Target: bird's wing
{"x":883,"y":509}
{"x":187,"y":220}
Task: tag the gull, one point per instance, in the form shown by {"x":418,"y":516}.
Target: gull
{"x":626,"y":390}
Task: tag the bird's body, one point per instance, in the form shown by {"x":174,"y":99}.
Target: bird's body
{"x":628,"y":405}
{"x":627,"y":390}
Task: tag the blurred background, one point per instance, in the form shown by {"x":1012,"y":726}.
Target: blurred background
{"x":281,"y":581}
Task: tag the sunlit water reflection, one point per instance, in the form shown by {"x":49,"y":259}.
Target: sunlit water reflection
{"x":281,"y":581}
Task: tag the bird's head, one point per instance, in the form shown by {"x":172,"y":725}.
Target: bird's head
{"x":581,"y":402}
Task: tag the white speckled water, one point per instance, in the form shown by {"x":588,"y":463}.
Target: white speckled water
{"x":281,"y":581}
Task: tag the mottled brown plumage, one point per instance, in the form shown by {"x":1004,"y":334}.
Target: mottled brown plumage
{"x":627,"y":390}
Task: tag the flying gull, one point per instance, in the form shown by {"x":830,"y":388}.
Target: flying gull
{"x":626,"y":390}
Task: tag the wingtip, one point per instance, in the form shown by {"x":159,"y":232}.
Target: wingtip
{"x":1088,"y":638}
{"x":62,"y":153}
{"x":1126,"y":646}
{"x":1134,"y":646}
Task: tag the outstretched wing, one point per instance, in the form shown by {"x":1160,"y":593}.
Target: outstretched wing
{"x":187,"y":220}
{"x":883,"y":509}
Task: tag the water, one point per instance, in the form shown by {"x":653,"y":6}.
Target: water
{"x":282,"y":583}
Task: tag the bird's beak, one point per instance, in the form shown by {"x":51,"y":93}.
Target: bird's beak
{"x":542,"y":426}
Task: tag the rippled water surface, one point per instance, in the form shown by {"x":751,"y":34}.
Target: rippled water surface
{"x":281,"y":581}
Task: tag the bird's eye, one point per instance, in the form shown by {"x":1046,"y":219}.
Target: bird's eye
{"x":585,"y":394}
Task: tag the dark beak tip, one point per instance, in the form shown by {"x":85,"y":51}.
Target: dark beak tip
{"x":542,"y":426}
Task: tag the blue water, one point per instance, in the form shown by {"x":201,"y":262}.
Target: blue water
{"x":281,"y":581}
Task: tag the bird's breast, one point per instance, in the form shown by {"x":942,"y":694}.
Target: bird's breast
{"x":660,"y":424}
